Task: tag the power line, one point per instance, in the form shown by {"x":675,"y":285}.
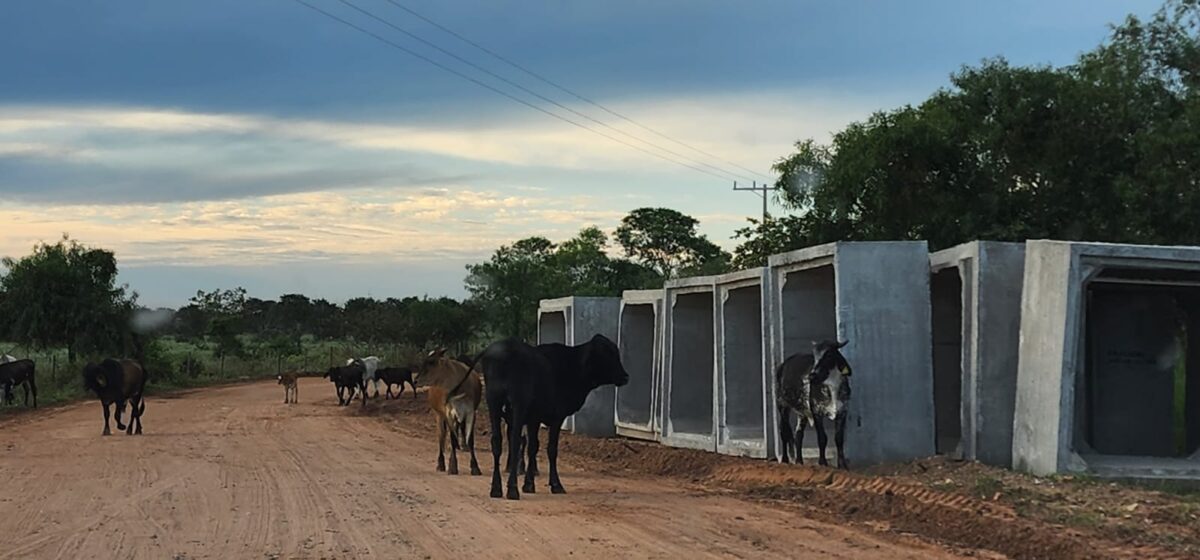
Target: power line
{"x":424,"y":58}
{"x":511,"y":83}
{"x":564,"y":89}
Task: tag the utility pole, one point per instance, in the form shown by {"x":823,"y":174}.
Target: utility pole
{"x":760,"y":190}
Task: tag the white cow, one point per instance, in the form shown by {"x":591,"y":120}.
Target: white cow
{"x":370,"y":365}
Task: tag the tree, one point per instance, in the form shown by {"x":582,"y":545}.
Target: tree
{"x":1103,"y":150}
{"x":66,"y":294}
{"x":765,"y":238}
{"x":509,"y":286}
{"x":666,"y":240}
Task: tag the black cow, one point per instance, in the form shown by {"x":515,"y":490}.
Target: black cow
{"x":396,"y":376}
{"x":531,"y":387}
{"x":348,"y":378}
{"x":816,"y":386}
{"x":114,"y":382}
{"x":20,"y":372}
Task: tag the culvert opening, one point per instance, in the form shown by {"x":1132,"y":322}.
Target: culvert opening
{"x":552,"y":327}
{"x":946,"y":295}
{"x":635,"y":399}
{"x":743,"y":371}
{"x":809,"y":305}
{"x":692,"y":364}
{"x":1141,"y":377}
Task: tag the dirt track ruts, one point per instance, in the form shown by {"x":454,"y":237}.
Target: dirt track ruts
{"x":232,"y":472}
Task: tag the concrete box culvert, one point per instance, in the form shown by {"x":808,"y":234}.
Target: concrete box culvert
{"x":573,"y":321}
{"x":641,"y":333}
{"x":976,"y":310}
{"x":743,"y":426}
{"x":1109,"y":368}
{"x":876,"y":296}
{"x":690,"y":364}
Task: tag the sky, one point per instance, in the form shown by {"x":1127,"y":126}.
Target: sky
{"x":260,"y":143}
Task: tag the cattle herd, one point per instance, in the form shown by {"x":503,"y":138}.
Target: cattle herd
{"x":526,"y":387}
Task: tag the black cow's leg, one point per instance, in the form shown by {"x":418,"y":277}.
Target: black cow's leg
{"x":141,"y":410}
{"x":494,"y":405}
{"x":362,"y":385}
{"x":531,"y":453}
{"x":556,"y":486}
{"x":785,"y":432}
{"x":441,"y":464}
{"x":414,"y":389}
{"x":133,"y":408}
{"x":120,"y":411}
{"x":514,"y":450}
{"x":822,"y":439}
{"x":105,"y":405}
{"x":798,"y":443}
{"x":470,"y":445}
{"x":839,"y":439}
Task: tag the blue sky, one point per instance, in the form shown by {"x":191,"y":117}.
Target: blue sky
{"x":258,"y":143}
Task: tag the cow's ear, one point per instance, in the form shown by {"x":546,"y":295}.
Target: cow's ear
{"x":842,"y":343}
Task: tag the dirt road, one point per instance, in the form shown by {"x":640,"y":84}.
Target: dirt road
{"x":232,"y":472}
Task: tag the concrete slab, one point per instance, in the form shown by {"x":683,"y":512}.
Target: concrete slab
{"x":1109,"y":376}
{"x":876,"y":296}
{"x":573,"y":321}
{"x":742,"y":343}
{"x":976,"y":309}
{"x":689,"y":374}
{"x":641,"y":333}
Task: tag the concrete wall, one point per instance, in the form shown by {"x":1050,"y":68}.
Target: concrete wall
{"x":876,"y":296}
{"x":689,"y":372}
{"x":581,"y":319}
{"x":1066,"y":395}
{"x":743,"y":427}
{"x":976,"y":299}
{"x":639,"y":403}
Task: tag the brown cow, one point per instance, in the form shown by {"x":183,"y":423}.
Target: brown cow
{"x":454,"y":394}
{"x":290,"y":387}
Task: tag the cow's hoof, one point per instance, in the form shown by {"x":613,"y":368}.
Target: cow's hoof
{"x":496,"y":493}
{"x":528,"y":488}
{"x":106,"y":433}
{"x":453,"y":470}
{"x":557,"y":489}
{"x":441,"y":467}
{"x":138,"y":431}
{"x":513,"y":494}
{"x":823,"y":463}
{"x":476,"y":472}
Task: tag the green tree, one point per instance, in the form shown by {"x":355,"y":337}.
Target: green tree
{"x":1102,"y":150}
{"x":666,"y":240}
{"x":66,"y":294}
{"x":508,"y":287}
{"x":765,"y":238}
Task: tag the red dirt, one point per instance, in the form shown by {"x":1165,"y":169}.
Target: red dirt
{"x":232,"y":472}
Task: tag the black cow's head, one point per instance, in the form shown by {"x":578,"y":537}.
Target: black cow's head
{"x":827,"y":358}
{"x":95,"y":378}
{"x":602,"y":362}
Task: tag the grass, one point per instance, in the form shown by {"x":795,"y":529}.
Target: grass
{"x":183,"y":364}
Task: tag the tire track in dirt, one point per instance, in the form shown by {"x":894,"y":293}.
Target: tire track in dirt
{"x":231,"y":472}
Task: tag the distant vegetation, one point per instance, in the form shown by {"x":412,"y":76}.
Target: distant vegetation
{"x":1103,"y":149}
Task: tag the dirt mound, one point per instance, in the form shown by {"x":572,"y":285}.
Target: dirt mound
{"x":898,"y":501}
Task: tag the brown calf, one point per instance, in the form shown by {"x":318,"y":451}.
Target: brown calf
{"x":455,"y":391}
{"x":290,"y":387}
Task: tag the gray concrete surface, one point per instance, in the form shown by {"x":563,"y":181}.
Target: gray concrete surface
{"x":1103,"y":344}
{"x":976,"y":309}
{"x":742,"y":345}
{"x":639,"y":403}
{"x":573,"y":321}
{"x":876,"y":296}
{"x":689,"y":373}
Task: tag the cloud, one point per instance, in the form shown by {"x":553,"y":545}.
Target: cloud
{"x":121,"y":155}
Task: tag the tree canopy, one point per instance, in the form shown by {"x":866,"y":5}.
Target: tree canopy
{"x":1103,"y":149}
{"x":667,"y":241}
{"x":66,"y":295}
